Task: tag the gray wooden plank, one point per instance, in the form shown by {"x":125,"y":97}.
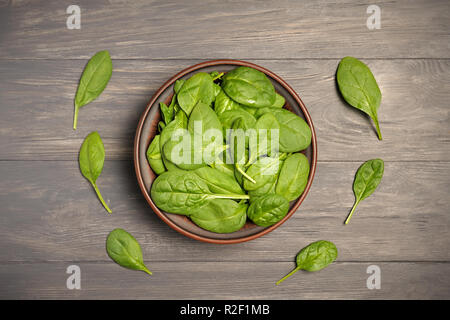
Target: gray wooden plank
{"x":36,"y":99}
{"x":49,"y":212}
{"x":224,"y":280}
{"x":232,"y":29}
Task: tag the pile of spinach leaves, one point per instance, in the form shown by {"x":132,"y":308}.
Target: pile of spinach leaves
{"x":259,"y":182}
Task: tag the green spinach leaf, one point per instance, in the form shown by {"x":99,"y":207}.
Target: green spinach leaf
{"x":268,"y":188}
{"x":209,"y":128}
{"x":186,"y":152}
{"x":224,"y":168}
{"x":314,"y":257}
{"x":161,"y":126}
{"x":220,"y":216}
{"x":181,"y":192}
{"x":180,"y":122}
{"x":199,"y":87}
{"x":182,"y":152}
{"x":238,"y":146}
{"x":224,"y":103}
{"x":182,"y":149}
{"x":217,"y":90}
{"x":279,"y":101}
{"x":295,"y":134}
{"x":178,"y":84}
{"x":123,"y":248}
{"x":293,"y":176}
{"x":227,"y":118}
{"x":262,"y":171}
{"x":182,"y":119}
{"x":91,"y":159}
{"x":167,"y":112}
{"x":93,"y":81}
{"x":154,"y":156}
{"x":206,"y":117}
{"x":367,"y":179}
{"x":249,"y":87}
{"x":267,"y":138}
{"x":219,"y":182}
{"x":221,"y":165}
{"x":268,"y":209}
{"x":359,"y":88}
{"x":170,"y":166}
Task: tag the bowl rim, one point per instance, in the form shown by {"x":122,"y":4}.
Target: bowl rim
{"x":152,"y":101}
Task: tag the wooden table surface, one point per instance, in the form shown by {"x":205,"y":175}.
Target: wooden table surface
{"x":51,"y":219}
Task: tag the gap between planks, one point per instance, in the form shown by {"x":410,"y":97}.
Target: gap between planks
{"x":131,"y":159}
{"x":218,"y":261}
{"x":221,"y":58}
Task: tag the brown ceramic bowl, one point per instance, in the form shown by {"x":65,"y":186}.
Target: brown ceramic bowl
{"x":147,"y":129}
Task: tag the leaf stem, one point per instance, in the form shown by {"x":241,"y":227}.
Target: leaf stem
{"x":231,"y":196}
{"x":144,"y":268}
{"x":351,"y":212}
{"x":101,"y":198}
{"x":246,"y":176}
{"x":288,"y":275}
{"x":378,"y":128}
{"x":75,"y":117}
{"x":218,"y":76}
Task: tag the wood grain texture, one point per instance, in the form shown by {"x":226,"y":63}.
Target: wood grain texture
{"x":211,"y":280}
{"x":225,"y":29}
{"x":50,"y":212}
{"x":50,"y":217}
{"x":38,"y":95}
